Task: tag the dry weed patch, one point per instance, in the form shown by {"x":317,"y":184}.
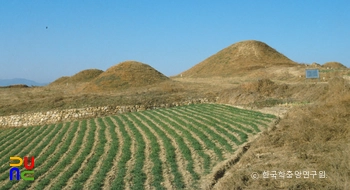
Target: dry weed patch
{"x":310,"y":138}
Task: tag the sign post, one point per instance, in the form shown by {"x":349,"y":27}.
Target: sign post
{"x":312,"y":74}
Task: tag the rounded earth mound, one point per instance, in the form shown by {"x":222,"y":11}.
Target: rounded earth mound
{"x":239,"y":57}
{"x":127,"y":74}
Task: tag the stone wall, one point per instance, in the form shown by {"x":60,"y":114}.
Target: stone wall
{"x":55,"y":116}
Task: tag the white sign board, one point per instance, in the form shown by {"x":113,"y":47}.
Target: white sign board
{"x":312,"y":74}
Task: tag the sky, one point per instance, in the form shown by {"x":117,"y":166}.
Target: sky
{"x":170,"y":36}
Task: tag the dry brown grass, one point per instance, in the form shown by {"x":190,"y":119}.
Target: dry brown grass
{"x":126,"y":75}
{"x":239,"y":58}
{"x":81,"y":77}
{"x":334,"y":65}
{"x":311,"y":138}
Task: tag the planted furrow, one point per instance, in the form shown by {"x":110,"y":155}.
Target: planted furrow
{"x":117,"y":144}
{"x":4,"y":131}
{"x":241,"y":112}
{"x":21,"y":150}
{"x":60,"y":178}
{"x":9,"y":146}
{"x":160,"y":173}
{"x":229,"y":119}
{"x":99,"y":168}
{"x":26,"y":152}
{"x":44,"y":158}
{"x":194,"y":147}
{"x":230,"y":138}
{"x":181,"y":144}
{"x":92,"y":161}
{"x":232,"y":132}
{"x":47,"y":141}
{"x":82,"y":161}
{"x":111,"y":150}
{"x":172,"y":160}
{"x":204,"y":137}
{"x":59,"y":161}
{"x":131,"y":163}
{"x":13,"y":134}
{"x":213,"y":136}
{"x":118,"y":182}
{"x":258,"y":124}
{"x":193,"y":139}
{"x":138,"y":175}
{"x":147,"y":166}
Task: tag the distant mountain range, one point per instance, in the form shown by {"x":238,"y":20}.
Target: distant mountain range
{"x":7,"y":82}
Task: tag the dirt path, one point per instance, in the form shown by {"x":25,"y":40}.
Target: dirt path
{"x":168,"y":178}
{"x":71,"y":181}
{"x":112,"y":174}
{"x":106,"y":149}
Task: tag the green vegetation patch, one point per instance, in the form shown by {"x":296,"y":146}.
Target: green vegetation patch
{"x":155,"y":149}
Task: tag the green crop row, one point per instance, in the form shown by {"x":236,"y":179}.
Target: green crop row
{"x":64,"y":178}
{"x":22,"y":150}
{"x":43,"y":164}
{"x":157,"y":171}
{"x":221,"y":130}
{"x":112,"y":152}
{"x":12,"y":134}
{"x":54,"y":162}
{"x":169,"y":150}
{"x":196,"y":145}
{"x":67,"y":159}
{"x":70,"y":155}
{"x":118,"y":182}
{"x":225,"y":123}
{"x":204,"y":138}
{"x":186,"y":152}
{"x":91,"y":165}
{"x":39,"y":160}
{"x":138,"y":175}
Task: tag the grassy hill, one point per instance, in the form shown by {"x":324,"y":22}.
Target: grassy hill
{"x":334,"y":65}
{"x":80,"y":77}
{"x":240,"y":57}
{"x":125,"y":75}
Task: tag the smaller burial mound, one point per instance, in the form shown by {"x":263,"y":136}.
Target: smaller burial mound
{"x":125,"y":75}
{"x":80,"y":77}
{"x":334,"y":65}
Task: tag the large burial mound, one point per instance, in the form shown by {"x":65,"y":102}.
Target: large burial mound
{"x":83,"y":76}
{"x":334,"y":65}
{"x":237,"y":58}
{"x":126,"y":74}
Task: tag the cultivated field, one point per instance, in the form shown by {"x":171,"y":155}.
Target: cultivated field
{"x":156,"y":149}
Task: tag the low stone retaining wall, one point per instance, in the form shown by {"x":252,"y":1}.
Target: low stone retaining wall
{"x":56,"y":116}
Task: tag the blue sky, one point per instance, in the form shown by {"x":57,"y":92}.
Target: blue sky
{"x":171,"y":36}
